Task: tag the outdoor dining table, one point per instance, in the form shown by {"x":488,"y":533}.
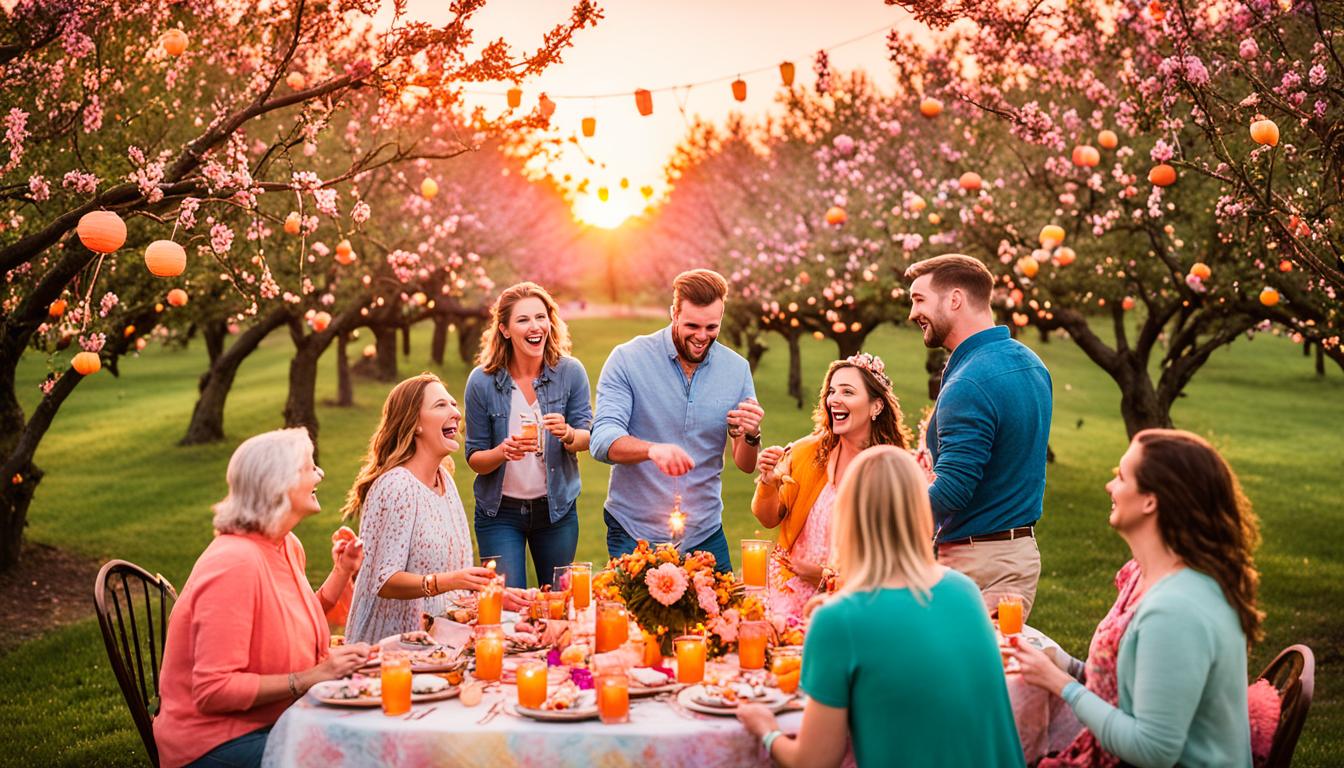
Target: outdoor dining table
{"x":659,"y":733}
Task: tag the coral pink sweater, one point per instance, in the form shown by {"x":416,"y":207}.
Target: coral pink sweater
{"x":247,"y":610}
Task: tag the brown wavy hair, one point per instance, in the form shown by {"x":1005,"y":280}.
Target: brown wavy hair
{"x":497,"y":352}
{"x":888,"y":428}
{"x":393,"y":443}
{"x":1203,"y":515}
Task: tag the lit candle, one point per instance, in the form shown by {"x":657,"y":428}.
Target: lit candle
{"x":489,"y":653}
{"x":532,"y":684}
{"x":613,"y":627}
{"x":751,"y":641}
{"x":676,"y":522}
{"x":613,"y":698}
{"x":754,"y":553}
{"x":690,"y":658}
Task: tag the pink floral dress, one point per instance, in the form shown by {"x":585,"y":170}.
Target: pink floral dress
{"x":405,"y":526}
{"x":1084,"y":751}
{"x":788,"y":596}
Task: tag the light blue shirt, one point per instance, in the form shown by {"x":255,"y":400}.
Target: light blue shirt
{"x":644,"y":393}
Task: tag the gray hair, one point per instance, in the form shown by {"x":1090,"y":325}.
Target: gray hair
{"x":261,"y":472}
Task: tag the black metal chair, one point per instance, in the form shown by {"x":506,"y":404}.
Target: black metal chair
{"x":133,"y":608}
{"x":1293,"y":674}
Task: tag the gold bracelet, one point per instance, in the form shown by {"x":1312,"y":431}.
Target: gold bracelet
{"x":437,"y":591}
{"x":293,"y":686}
{"x":424,"y":585}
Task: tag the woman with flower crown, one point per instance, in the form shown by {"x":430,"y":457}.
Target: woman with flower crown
{"x":797,"y":483}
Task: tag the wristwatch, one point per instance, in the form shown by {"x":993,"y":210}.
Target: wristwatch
{"x":753,"y":440}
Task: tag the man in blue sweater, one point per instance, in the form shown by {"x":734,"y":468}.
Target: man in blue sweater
{"x":988,"y":433}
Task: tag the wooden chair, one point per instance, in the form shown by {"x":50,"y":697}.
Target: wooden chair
{"x":1293,"y":674}
{"x":133,"y":608}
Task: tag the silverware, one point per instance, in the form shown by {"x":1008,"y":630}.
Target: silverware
{"x":420,"y":714}
{"x":491,"y":713}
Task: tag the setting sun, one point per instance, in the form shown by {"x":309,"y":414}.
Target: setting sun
{"x":612,"y":213}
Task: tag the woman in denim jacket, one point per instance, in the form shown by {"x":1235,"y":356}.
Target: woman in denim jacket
{"x":527,"y":484}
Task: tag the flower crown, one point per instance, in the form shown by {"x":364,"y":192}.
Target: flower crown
{"x":872,"y":364}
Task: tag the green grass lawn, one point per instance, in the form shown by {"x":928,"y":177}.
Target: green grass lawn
{"x":118,"y":486}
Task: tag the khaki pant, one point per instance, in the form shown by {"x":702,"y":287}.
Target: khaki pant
{"x":998,"y":567}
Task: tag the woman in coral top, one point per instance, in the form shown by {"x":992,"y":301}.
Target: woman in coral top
{"x":247,"y":635}
{"x":797,"y":485}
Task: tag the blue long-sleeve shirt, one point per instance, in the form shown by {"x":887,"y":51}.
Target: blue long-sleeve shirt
{"x":643,"y":392}
{"x":988,"y":437}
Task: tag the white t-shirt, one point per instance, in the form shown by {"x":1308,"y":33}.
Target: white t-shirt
{"x":526,"y":477}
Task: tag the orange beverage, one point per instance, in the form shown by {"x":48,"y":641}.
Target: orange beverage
{"x":489,"y":653}
{"x":490,"y":606}
{"x":556,"y":602}
{"x":653,"y":651}
{"x":581,"y":584}
{"x":396,"y":684}
{"x":613,"y":627}
{"x":754,"y":555}
{"x":1010,"y":614}
{"x":529,"y":431}
{"x":532,"y":684}
{"x":690,"y":658}
{"x":613,"y":698}
{"x":751,"y":641}
{"x":787,"y":665}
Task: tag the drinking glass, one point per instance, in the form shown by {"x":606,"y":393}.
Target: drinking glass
{"x":1010,"y":614}
{"x":690,"y":651}
{"x":395,"y":677}
{"x":613,"y":697}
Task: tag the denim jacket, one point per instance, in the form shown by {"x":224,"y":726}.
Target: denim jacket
{"x":562,"y":388}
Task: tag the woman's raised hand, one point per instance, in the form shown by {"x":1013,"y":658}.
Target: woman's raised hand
{"x":556,"y":425}
{"x":347,"y":550}
{"x":767,"y":460}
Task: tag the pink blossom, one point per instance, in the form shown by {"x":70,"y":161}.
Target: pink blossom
{"x":186,"y":213}
{"x":107,"y":303}
{"x":1195,"y":284}
{"x":82,"y":183}
{"x":1248,"y":49}
{"x":666,"y":583}
{"x":39,"y":188}
{"x":221,"y":238}
{"x":1317,"y":75}
{"x":306,"y":180}
{"x":16,"y":130}
{"x":93,"y":114}
{"x":704,"y":592}
{"x":360,"y":213}
{"x":843,"y":144}
{"x":1161,"y":152}
{"x":325,"y":199}
{"x":92,"y":342}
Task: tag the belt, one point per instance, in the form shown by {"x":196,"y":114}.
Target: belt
{"x":1024,"y":532}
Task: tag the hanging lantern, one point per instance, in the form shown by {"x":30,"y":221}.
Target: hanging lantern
{"x":429,"y":188}
{"x":345,"y":254}
{"x":1162,"y":175}
{"x":1051,"y":235}
{"x":164,"y":258}
{"x":970,"y":181}
{"x":320,"y":321}
{"x":603,"y":194}
{"x":589,"y":126}
{"x":515,"y":97}
{"x":86,"y":363}
{"x":1265,"y":132}
{"x":1201,"y":270}
{"x":57,"y":308}
{"x":1269,"y":297}
{"x":174,"y":42}
{"x":930,"y":107}
{"x":1028,"y":266}
{"x":1086,"y":156}
{"x":1108,"y":140}
{"x":1065,"y":256}
{"x":835,"y":216}
{"x":786,"y":73}
{"x":646,"y":191}
{"x":545,"y":106}
{"x":101,"y":231}
{"x":644,"y":101}
{"x":740,"y":89}
{"x":625,"y":183}
{"x":177,"y":297}
{"x":293,"y":223}
{"x":1127,"y":303}
{"x":296,"y":80}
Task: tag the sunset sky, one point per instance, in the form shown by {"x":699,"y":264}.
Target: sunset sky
{"x":659,"y":43}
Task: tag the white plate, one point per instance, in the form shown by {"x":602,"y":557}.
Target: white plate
{"x":585,"y":709}
{"x":322,"y":692}
{"x":640,"y":692}
{"x":689,"y":698}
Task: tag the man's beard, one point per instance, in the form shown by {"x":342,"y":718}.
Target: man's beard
{"x":684,"y":349}
{"x":935,"y":335}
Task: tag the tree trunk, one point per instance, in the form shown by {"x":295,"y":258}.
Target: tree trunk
{"x":934,"y":363}
{"x":300,"y":403}
{"x":1140,"y":406}
{"x":345,"y":390}
{"x":1320,"y":360}
{"x":795,"y":368}
{"x":1044,"y":334}
{"x":207,"y":418}
{"x":469,"y":337}
{"x":439,"y":342}
{"x":850,"y":343}
{"x":405,"y":340}
{"x":385,"y":362}
{"x":216,"y":332}
{"x":755,"y":348}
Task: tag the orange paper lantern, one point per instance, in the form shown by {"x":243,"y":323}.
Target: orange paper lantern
{"x":1051,"y":235}
{"x":101,"y":231}
{"x":603,"y":194}
{"x":1127,"y":303}
{"x":786,"y":73}
{"x":345,"y":255}
{"x":174,"y":42}
{"x":86,"y":363}
{"x":644,"y":102}
{"x":296,"y":80}
{"x":1201,"y":270}
{"x":1108,"y":140}
{"x":970,"y":181}
{"x":320,"y":321}
{"x":164,"y":258}
{"x":930,"y":107}
{"x":545,"y":106}
{"x":1065,"y":256}
{"x":835,"y":216}
{"x":57,"y":308}
{"x":177,"y":297}
{"x":589,"y":126}
{"x":293,"y":223}
{"x":515,"y":97}
{"x":1265,"y":132}
{"x":1269,"y":297}
{"x":1028,"y":266}
{"x":429,"y":188}
{"x":1086,"y":156}
{"x":1285,"y":265}
{"x":740,"y":89}
{"x":1162,"y":175}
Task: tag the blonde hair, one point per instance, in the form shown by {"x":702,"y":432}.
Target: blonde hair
{"x":393,"y":443}
{"x":496,"y":351}
{"x":883,"y":526}
{"x":261,"y":473}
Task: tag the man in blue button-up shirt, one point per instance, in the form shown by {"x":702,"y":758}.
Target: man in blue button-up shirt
{"x":988,"y":433}
{"x":666,"y":405}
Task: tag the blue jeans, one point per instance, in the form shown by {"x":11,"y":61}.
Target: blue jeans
{"x":523,"y":523}
{"x":242,"y":752}
{"x":620,"y":542}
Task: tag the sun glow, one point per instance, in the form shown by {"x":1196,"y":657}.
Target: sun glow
{"x":612,"y":213}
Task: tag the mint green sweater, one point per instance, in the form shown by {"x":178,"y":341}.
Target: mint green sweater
{"x":1182,"y":680}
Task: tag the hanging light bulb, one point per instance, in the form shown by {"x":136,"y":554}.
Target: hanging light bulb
{"x":676,"y":522}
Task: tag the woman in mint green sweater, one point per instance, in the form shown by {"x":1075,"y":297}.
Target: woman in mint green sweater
{"x":1181,"y":664}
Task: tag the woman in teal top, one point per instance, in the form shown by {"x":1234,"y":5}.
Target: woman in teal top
{"x":1181,"y":666}
{"x":904,"y":657}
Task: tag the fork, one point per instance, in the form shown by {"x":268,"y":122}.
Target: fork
{"x":491,"y":713}
{"x":420,"y":714}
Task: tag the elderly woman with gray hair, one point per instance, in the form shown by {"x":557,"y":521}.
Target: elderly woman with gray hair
{"x":247,"y":635}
